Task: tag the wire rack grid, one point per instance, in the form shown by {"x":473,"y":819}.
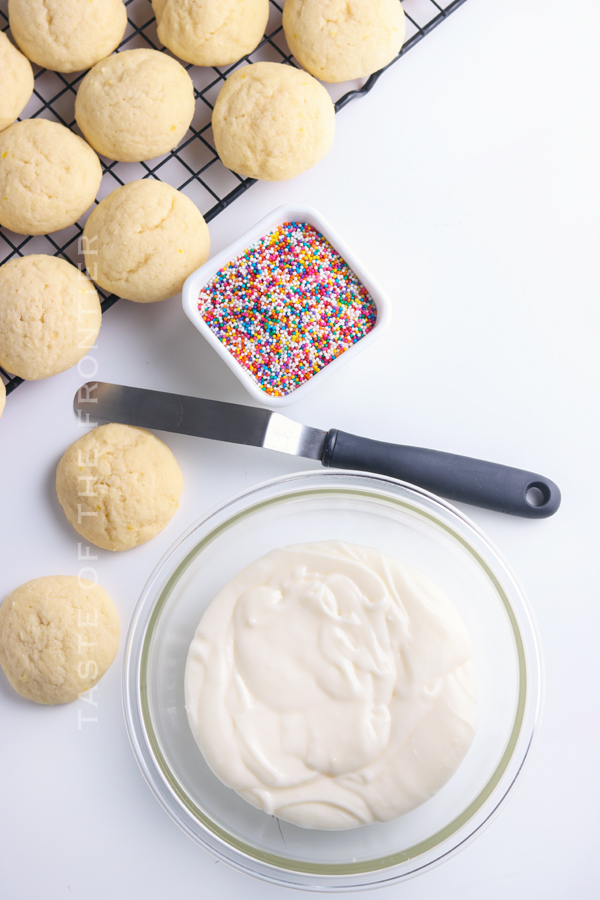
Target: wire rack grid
{"x":194,"y":166}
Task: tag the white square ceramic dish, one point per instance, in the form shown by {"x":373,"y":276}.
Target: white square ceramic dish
{"x":198,"y":279}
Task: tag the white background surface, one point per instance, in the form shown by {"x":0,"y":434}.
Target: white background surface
{"x":468,"y":182}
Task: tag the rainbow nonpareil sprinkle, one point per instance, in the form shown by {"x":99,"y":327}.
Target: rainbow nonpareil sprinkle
{"x":287,"y":307}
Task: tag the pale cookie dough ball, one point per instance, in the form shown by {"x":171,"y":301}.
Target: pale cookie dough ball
{"x":143,"y":241}
{"x":58,"y":636}
{"x":211,"y":32}
{"x":337,"y":40}
{"x":48,"y":177}
{"x":135,"y":105}
{"x":272,"y":121}
{"x":2,"y":396}
{"x":67,"y":35}
{"x":118,"y":486}
{"x":16,"y":79}
{"x":50,"y":316}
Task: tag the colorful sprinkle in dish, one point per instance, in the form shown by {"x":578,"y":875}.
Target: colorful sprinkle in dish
{"x":287,"y":307}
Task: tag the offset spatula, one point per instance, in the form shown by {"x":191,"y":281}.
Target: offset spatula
{"x":473,"y":481}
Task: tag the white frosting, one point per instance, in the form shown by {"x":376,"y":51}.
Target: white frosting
{"x":331,"y":685}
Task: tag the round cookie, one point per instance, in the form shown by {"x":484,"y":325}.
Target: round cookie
{"x":49,"y":316}
{"x":211,"y":32}
{"x":337,"y":40}
{"x":143,"y":240}
{"x":67,"y":35}
{"x":16,"y":78}
{"x":58,"y":636}
{"x":118,"y":486}
{"x":2,"y":397}
{"x":272,"y":121}
{"x":135,"y":105}
{"x":48,"y":177}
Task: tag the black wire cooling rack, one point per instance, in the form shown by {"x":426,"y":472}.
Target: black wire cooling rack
{"x":193,"y":167}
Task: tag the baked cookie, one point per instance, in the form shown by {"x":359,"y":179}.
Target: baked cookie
{"x":67,"y":35}
{"x":2,"y":396}
{"x":49,"y":316}
{"x":272,"y":121}
{"x":337,"y":40}
{"x":118,"y":486}
{"x":211,"y":32}
{"x":58,"y":636}
{"x":48,"y":177}
{"x":143,"y":241}
{"x":135,"y":105}
{"x":16,"y":78}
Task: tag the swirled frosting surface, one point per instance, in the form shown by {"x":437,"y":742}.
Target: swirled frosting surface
{"x":331,"y":685}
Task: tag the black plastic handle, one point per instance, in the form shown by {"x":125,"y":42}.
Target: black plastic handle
{"x":473,"y":481}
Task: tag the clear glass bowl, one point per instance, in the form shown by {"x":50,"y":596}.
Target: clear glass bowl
{"x":404,"y":522}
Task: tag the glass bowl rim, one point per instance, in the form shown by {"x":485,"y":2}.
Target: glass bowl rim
{"x":276,"y":868}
